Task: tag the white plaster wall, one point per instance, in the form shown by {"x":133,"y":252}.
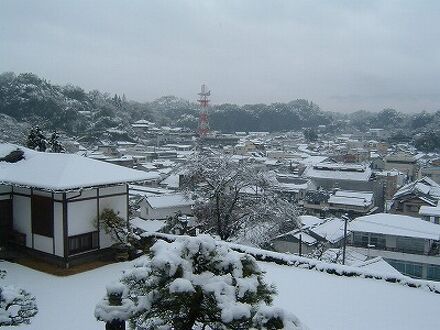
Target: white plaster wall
{"x":119,"y":205}
{"x":43,"y":243}
{"x":81,"y":217}
{"x":58,"y":228}
{"x":22,"y":217}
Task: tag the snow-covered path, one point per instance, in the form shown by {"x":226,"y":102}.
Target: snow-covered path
{"x":320,"y":300}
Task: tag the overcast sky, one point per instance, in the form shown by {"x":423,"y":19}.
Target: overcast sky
{"x":343,"y":55}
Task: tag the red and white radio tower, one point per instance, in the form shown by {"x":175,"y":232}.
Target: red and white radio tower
{"x":203,"y":117}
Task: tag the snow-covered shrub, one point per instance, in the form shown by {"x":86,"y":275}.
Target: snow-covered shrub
{"x":16,"y":305}
{"x":198,"y":283}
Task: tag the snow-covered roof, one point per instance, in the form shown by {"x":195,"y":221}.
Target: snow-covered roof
{"x":172,"y":200}
{"x":396,"y":225}
{"x":379,"y":265}
{"x":424,"y":186}
{"x":305,"y":238}
{"x":309,"y":220}
{"x":332,"y":230}
{"x":339,"y":172}
{"x":313,"y":160}
{"x":147,"y":225}
{"x":57,"y":172}
{"x":430,"y":210}
{"x":352,"y":198}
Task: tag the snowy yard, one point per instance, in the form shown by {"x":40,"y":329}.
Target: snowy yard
{"x":320,"y":300}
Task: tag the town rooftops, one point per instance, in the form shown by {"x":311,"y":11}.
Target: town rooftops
{"x":396,"y":225}
{"x":57,"y":172}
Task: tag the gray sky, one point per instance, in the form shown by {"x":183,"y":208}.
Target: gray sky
{"x":344,"y":55}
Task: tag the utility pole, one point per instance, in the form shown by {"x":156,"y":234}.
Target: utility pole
{"x":300,"y":245}
{"x":344,"y":247}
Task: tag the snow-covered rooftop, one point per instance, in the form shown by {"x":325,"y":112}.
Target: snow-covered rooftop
{"x":172,"y":200}
{"x":430,"y":210}
{"x":424,"y":186}
{"x":339,"y":172}
{"x":309,"y":220}
{"x":147,"y":225}
{"x":332,"y":230}
{"x":396,"y":225}
{"x":352,"y":198}
{"x":58,"y":172}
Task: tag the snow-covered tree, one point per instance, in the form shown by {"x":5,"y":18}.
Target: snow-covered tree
{"x":36,"y":140}
{"x":54,"y":144}
{"x":196,"y":283}
{"x":114,"y":225}
{"x":17,"y":306}
{"x":235,"y":200}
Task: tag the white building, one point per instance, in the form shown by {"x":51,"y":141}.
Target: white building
{"x":50,"y":202}
{"x":409,"y":244}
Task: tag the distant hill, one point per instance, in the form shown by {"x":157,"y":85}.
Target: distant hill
{"x":33,"y":100}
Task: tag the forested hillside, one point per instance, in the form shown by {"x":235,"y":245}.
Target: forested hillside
{"x":30,"y":99}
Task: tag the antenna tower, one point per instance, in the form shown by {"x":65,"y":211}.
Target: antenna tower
{"x":203,"y":100}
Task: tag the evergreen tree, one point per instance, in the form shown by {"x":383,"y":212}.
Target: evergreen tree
{"x":55,"y":145}
{"x":36,"y":140}
{"x":197,"y":283}
{"x":16,"y":305}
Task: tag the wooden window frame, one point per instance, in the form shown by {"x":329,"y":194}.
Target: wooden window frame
{"x":42,"y":216}
{"x":83,"y":242}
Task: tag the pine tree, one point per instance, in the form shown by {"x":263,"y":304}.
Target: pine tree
{"x":16,"y":305}
{"x":55,"y":145}
{"x":197,"y":283}
{"x":36,"y":140}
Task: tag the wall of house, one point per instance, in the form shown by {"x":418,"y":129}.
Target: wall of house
{"x":22,"y":216}
{"x":118,"y":204}
{"x":81,"y":217}
{"x":82,"y":214}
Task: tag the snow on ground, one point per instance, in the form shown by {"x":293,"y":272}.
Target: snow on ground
{"x":320,"y":300}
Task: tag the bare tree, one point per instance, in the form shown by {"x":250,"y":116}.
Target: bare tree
{"x":236,"y":200}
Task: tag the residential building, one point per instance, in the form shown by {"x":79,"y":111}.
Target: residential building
{"x":50,"y":203}
{"x":409,"y":244}
{"x":408,"y":199}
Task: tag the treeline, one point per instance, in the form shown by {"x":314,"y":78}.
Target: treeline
{"x":29,"y":98}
